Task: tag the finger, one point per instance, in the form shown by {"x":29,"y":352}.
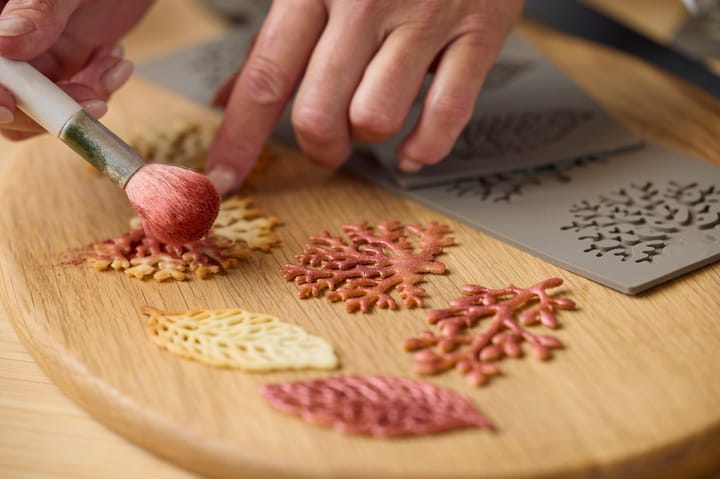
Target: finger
{"x":30,"y":27}
{"x":7,"y":106}
{"x":104,"y":74}
{"x":264,"y":88}
{"x":449,"y":103}
{"x":391,"y":83}
{"x":321,"y":108}
{"x":15,"y":135}
{"x":58,"y":68}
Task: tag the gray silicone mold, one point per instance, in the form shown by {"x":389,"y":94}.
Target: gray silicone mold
{"x":196,"y":72}
{"x":629,"y":221}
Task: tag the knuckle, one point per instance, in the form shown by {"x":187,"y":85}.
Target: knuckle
{"x":314,"y":125}
{"x":452,"y":112}
{"x":265,"y":82}
{"x":374,"y":122}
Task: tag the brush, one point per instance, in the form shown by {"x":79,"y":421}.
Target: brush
{"x":176,"y":205}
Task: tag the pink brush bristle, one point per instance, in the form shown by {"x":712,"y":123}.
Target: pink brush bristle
{"x":176,"y":205}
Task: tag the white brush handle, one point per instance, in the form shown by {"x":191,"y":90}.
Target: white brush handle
{"x":37,"y":96}
{"x":63,"y":117}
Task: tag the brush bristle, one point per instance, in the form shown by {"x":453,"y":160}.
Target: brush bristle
{"x":176,"y":205}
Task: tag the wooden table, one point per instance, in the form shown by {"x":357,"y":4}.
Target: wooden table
{"x":44,"y":435}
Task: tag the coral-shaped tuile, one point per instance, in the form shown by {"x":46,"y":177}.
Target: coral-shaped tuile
{"x":376,"y":261}
{"x":475,"y":353}
{"x":141,"y":256}
{"x":381,"y":406}
{"x":235,"y":338}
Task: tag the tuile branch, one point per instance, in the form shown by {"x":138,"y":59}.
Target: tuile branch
{"x":475,"y":354}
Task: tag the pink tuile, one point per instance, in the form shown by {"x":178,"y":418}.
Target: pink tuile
{"x":379,"y":406}
{"x":475,"y":354}
{"x":364,"y":271}
{"x":211,"y":252}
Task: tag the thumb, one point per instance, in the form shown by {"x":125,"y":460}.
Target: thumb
{"x":30,"y":27}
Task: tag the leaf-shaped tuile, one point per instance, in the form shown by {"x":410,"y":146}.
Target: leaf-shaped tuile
{"x":375,"y":261}
{"x":383,"y":406}
{"x":236,"y":338}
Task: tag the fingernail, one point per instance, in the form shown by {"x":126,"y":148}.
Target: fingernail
{"x":223,"y":179}
{"x":96,"y":108}
{"x":15,"y":26}
{"x":6,"y":116}
{"x":407,"y":165}
{"x":117,"y":75}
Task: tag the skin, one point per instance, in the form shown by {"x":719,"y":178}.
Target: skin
{"x":356,"y":65}
{"x":74,"y":43}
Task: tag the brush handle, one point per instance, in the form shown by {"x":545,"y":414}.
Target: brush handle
{"x":37,"y":96}
{"x":63,"y":117}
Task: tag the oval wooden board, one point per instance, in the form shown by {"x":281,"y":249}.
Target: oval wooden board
{"x":635,"y":391}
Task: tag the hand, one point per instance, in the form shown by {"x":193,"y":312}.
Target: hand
{"x":360,"y":65}
{"x":73,"y":42}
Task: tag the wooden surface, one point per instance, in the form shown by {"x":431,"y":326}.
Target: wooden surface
{"x":626,"y":396}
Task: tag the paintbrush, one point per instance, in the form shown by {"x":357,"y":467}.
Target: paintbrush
{"x":176,"y":205}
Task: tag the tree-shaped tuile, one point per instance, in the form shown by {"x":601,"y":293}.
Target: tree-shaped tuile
{"x":476,"y":353}
{"x":381,"y":406}
{"x":238,"y":228}
{"x":364,"y":271}
{"x":141,"y":256}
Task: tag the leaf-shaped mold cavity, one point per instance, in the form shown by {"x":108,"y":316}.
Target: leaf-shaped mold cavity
{"x":235,"y":338}
{"x":381,"y":406}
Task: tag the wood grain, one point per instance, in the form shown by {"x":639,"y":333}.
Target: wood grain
{"x":627,"y":396}
{"x":634,"y":389}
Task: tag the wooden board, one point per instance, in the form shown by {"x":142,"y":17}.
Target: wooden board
{"x":634,"y":393}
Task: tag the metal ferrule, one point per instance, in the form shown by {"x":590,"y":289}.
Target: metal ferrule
{"x":101,"y":147}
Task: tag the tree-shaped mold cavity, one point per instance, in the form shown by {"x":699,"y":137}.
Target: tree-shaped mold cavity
{"x":637,"y":223}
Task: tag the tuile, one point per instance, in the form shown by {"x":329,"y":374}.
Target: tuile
{"x":235,"y":338}
{"x":380,"y":406}
{"x":364,"y":271}
{"x":238,"y":228}
{"x":476,"y":353}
